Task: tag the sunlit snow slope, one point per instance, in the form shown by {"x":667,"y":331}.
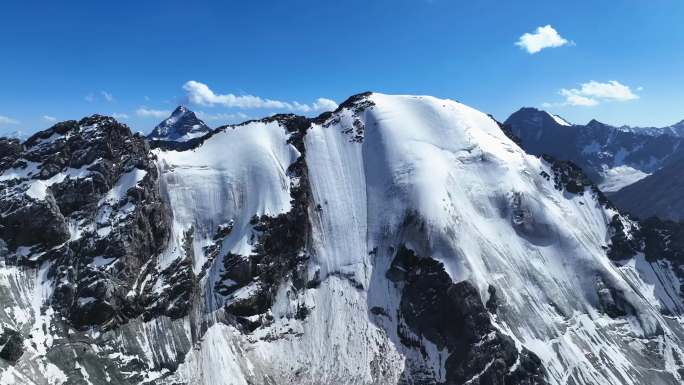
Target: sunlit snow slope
{"x":399,"y":239}
{"x":485,"y":211}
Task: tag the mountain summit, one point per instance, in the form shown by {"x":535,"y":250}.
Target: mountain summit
{"x":182,"y":125}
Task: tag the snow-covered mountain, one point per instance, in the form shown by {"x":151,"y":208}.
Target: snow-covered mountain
{"x":676,"y":130}
{"x":181,"y":126}
{"x":614,"y":157}
{"x":396,"y":240}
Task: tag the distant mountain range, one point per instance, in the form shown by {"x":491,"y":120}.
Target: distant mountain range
{"x":613,"y":157}
{"x":660,"y":194}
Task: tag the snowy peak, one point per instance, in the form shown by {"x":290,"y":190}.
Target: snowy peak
{"x":539,"y":119}
{"x":595,"y":123}
{"x":560,"y":120}
{"x":676,"y":130}
{"x":181,"y":126}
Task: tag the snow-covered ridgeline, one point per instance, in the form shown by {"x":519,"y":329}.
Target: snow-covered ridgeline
{"x":237,"y":174}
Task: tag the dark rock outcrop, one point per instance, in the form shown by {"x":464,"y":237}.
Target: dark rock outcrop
{"x":452,"y":316}
{"x":10,"y":345}
{"x":86,"y":198}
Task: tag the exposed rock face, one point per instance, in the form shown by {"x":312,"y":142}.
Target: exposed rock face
{"x":453,"y":317}
{"x":661,"y":242}
{"x":10,"y":149}
{"x":181,"y":126}
{"x":85,"y":197}
{"x":10,"y":345}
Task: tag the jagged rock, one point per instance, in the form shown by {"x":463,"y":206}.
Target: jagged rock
{"x":10,"y":148}
{"x":94,"y":193}
{"x":10,"y":345}
{"x":625,"y":242}
{"x":570,"y":177}
{"x":27,"y":222}
{"x":178,"y":285}
{"x":452,"y":316}
{"x":493,"y":301}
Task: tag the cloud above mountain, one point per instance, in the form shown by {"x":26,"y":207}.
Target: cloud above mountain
{"x":7,"y":120}
{"x":200,"y":94}
{"x":107,"y":96}
{"x":145,"y":112}
{"x":541,"y":38}
{"x":592,"y":93}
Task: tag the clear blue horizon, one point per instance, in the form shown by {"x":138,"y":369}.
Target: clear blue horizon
{"x":616,"y":61}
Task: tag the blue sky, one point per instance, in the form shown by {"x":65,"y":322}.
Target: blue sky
{"x":65,"y":60}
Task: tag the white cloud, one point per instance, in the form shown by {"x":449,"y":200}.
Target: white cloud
{"x":593,"y":92}
{"x":612,"y":90}
{"x":224,"y":117}
{"x":542,"y":37}
{"x":49,"y":118}
{"x":573,"y":98}
{"x":7,"y":120}
{"x":200,"y":94}
{"x":324,"y":104}
{"x":107,"y":96}
{"x":103,"y":95}
{"x":145,"y":112}
{"x":119,"y":116}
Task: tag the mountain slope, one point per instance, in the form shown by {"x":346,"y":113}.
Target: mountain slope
{"x":181,"y":126}
{"x":613,"y":157}
{"x":676,"y":130}
{"x":659,"y":194}
{"x":398,"y":239}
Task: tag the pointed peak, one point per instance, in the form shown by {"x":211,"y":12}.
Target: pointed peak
{"x":180,"y":110}
{"x":182,"y":125}
{"x":595,"y":123}
{"x":532,"y":116}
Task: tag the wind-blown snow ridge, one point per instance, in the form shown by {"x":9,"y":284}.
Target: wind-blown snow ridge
{"x":560,"y":120}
